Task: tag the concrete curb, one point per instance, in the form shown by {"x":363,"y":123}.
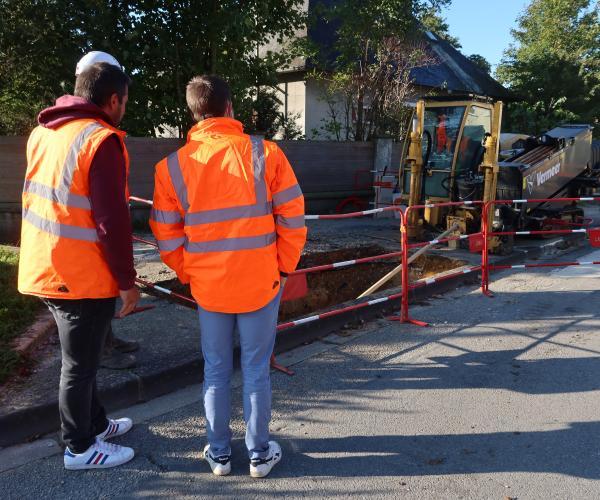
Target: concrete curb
{"x":39,"y":331}
{"x":35,"y":421}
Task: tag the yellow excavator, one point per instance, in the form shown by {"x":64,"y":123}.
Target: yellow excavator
{"x":453,"y":155}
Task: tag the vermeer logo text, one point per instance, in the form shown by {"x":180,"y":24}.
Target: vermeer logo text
{"x":542,"y":177}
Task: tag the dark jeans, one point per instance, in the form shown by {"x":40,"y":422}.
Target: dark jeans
{"x":82,"y":328}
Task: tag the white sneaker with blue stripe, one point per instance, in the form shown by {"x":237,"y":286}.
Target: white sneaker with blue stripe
{"x":260,"y":467}
{"x":116,"y":427}
{"x":221,"y":465}
{"x":101,"y":455}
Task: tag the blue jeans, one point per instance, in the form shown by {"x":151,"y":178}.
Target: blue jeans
{"x":257,"y":337}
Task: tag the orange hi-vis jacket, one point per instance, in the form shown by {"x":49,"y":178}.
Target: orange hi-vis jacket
{"x":228,"y":216}
{"x":60,"y":252}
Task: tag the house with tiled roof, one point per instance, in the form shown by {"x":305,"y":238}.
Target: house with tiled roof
{"x":451,"y":72}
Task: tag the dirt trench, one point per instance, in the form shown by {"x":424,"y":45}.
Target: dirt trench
{"x":328,"y":288}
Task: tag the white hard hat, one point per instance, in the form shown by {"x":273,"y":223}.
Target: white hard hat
{"x":94,"y":57}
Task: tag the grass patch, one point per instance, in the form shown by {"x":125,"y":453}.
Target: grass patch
{"x":16,"y":311}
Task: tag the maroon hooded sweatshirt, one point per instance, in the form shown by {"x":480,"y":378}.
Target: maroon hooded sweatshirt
{"x":107,"y":178}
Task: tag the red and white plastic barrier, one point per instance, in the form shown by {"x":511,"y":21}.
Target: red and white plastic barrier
{"x":346,"y":263}
{"x":478,"y":242}
{"x":144,"y":241}
{"x":349,"y":215}
{"x":335,"y":265}
{"x":486,"y":267}
{"x":166,"y":291}
{"x":336,"y":312}
{"x":406,"y":285}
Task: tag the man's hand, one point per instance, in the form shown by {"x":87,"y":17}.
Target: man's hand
{"x":130,"y":299}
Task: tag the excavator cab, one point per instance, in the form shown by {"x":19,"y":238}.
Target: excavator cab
{"x":453,"y":134}
{"x":446,"y":157}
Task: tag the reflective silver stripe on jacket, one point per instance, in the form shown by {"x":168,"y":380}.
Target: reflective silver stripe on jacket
{"x":286,"y":195}
{"x":227,"y":214}
{"x":165,"y":216}
{"x":62,"y":195}
{"x":296,"y":222}
{"x":258,"y":167}
{"x":70,"y":163}
{"x":177,"y":179}
{"x":60,"y":229}
{"x":261,"y":206}
{"x":170,"y":245}
{"x":231,"y":244}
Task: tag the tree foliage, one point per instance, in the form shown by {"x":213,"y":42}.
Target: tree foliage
{"x":431,"y":19}
{"x":554,"y":65}
{"x":161,"y":43}
{"x":482,"y":63}
{"x":376,"y":46}
{"x":36,"y":61}
{"x":384,"y":84}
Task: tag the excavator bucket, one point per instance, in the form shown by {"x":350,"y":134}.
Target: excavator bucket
{"x":296,"y":287}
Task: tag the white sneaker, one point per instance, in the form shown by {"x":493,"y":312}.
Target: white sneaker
{"x":221,"y":466}
{"x":116,"y":427}
{"x":260,"y":467}
{"x":101,"y":455}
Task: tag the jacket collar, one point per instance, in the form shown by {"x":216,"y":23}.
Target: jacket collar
{"x":220,"y":125}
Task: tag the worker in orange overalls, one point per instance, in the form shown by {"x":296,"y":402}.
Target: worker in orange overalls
{"x":443,"y":142}
{"x":228,"y":217}
{"x":76,"y":249}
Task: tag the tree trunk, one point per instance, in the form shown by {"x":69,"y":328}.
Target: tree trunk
{"x":177,"y":74}
{"x":358,"y":136}
{"x":360,"y":101}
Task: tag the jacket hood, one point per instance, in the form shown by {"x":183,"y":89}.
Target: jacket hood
{"x":68,"y":108}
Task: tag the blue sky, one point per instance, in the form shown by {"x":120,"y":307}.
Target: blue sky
{"x":483,"y":27}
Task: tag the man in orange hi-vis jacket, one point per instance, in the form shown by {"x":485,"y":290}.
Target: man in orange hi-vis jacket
{"x":228,"y":217}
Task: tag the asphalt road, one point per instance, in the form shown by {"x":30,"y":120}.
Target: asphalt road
{"x":498,"y":399}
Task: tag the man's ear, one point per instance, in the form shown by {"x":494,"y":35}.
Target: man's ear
{"x":114,"y":101}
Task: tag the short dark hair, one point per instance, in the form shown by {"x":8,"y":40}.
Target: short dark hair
{"x":207,"y":96}
{"x":98,"y":82}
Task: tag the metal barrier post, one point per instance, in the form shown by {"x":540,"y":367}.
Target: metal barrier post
{"x":474,"y":246}
{"x":404,"y":316}
{"x":485,"y":262}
